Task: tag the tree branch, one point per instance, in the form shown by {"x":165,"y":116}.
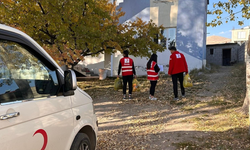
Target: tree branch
{"x":40,"y":5}
{"x":127,"y":46}
{"x":84,"y":10}
{"x":94,"y":53}
{"x":53,"y":37}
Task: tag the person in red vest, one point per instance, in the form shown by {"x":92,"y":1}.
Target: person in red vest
{"x":152,"y":72}
{"x":126,"y":65}
{"x":177,"y":66}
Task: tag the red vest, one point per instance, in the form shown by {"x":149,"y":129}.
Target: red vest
{"x":127,"y":64}
{"x":152,"y":75}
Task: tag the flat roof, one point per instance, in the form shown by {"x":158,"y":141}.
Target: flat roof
{"x":220,"y":44}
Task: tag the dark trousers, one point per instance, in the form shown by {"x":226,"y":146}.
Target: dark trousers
{"x":175,"y":77}
{"x":127,"y":79}
{"x":152,"y":87}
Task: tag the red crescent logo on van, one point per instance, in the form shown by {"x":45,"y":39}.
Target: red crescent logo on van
{"x":41,"y":131}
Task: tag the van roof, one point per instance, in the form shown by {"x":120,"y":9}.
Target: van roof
{"x":10,"y":31}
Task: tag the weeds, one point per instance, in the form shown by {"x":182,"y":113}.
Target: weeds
{"x":199,"y":74}
{"x":235,"y":89}
{"x":227,"y":128}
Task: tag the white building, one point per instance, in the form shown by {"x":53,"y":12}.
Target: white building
{"x":185,"y":22}
{"x":240,"y":35}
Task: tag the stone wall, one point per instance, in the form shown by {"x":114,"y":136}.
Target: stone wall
{"x":242,"y":52}
{"x":217,"y":56}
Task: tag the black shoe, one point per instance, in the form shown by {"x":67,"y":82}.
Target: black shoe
{"x":130,"y":96}
{"x":124,"y":96}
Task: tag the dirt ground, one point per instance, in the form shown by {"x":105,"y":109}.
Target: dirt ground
{"x":198,"y":121}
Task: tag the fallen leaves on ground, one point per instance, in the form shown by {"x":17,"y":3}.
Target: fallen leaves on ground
{"x":195,"y":122}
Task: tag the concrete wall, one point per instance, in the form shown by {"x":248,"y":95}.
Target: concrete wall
{"x":217,"y":56}
{"x":163,"y":59}
{"x":191,"y":29}
{"x":135,"y":8}
{"x":190,"y":32}
{"x":161,"y":13}
{"x":164,"y":13}
{"x":140,"y":63}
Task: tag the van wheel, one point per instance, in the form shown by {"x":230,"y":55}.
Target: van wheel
{"x":81,"y":142}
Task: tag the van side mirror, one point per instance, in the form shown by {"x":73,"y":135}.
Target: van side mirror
{"x":70,"y":83}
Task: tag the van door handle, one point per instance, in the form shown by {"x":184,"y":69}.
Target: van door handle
{"x":10,"y":115}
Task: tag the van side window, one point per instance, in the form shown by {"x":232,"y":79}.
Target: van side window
{"x":23,"y":76}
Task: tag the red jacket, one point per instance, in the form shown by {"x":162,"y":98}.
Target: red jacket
{"x":152,"y":75}
{"x":177,"y":63}
{"x":127,"y":66}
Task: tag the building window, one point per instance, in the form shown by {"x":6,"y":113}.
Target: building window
{"x":169,"y":37}
{"x":241,"y":35}
{"x":211,"y":51}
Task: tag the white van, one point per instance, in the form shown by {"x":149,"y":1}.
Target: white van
{"x":41,"y":107}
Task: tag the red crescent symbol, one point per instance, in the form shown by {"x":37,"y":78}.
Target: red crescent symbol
{"x":41,"y":131}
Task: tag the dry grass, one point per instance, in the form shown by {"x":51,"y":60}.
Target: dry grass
{"x":227,"y":127}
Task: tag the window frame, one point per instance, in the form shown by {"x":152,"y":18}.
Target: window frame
{"x":33,"y":50}
{"x":240,"y":35}
{"x":14,"y":37}
{"x":166,"y":33}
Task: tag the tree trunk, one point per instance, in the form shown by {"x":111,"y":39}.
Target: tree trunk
{"x":245,"y":107}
